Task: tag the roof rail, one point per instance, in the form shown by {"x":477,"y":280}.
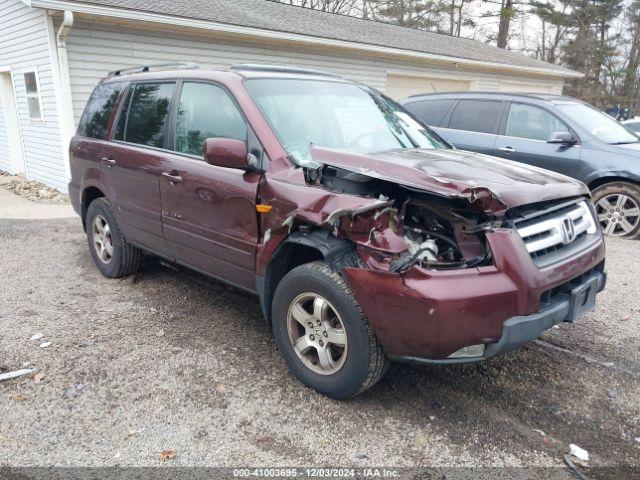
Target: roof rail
{"x":155,"y":66}
{"x":256,"y":67}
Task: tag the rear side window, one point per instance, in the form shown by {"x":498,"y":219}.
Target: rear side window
{"x":206,"y":111}
{"x":475,"y":115}
{"x":527,"y":121}
{"x":431,"y":112}
{"x":147,"y":110}
{"x":95,"y":118}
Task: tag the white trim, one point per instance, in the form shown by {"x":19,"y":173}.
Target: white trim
{"x":16,"y":145}
{"x":284,"y":36}
{"x":62,"y":92}
{"x":36,"y":74}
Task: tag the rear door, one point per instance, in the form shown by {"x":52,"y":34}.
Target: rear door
{"x":524,"y":135}
{"x":132,"y":160}
{"x":87,"y":146}
{"x":473,"y":125}
{"x":209,"y":212}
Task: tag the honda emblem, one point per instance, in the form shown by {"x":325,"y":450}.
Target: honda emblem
{"x":568,"y":231}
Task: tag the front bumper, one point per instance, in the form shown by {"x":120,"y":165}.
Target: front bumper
{"x":569,"y":304}
{"x":432,"y":314}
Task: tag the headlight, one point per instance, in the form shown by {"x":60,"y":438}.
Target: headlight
{"x":594,"y":225}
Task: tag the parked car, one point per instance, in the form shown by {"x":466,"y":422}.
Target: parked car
{"x":632,"y":124}
{"x":549,"y":131}
{"x":365,"y":236}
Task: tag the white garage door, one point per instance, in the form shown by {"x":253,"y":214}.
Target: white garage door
{"x":400,"y":86}
{"x":524,"y":87}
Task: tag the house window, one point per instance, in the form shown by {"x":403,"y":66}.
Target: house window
{"x":33,"y":95}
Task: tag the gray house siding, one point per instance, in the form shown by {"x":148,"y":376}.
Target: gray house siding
{"x":24,"y":46}
{"x":95,"y":49}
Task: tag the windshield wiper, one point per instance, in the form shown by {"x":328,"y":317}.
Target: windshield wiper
{"x":625,"y":143}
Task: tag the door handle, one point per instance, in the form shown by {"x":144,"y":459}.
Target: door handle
{"x":173,"y":178}
{"x":507,"y":149}
{"x":108,"y":161}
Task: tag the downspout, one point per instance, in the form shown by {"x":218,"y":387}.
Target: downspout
{"x":67,"y":121}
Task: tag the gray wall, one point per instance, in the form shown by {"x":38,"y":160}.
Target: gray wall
{"x":24,"y":43}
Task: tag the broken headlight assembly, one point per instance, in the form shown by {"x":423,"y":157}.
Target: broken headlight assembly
{"x":439,"y":238}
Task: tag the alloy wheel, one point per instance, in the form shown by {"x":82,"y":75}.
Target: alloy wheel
{"x":619,"y":214}
{"x":317,"y":333}
{"x":102,"y":241}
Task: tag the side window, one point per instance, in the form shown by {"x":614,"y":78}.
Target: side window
{"x":206,"y":111}
{"x":95,"y":117}
{"x":475,"y":115}
{"x":145,"y":113}
{"x":431,"y":112}
{"x":34,"y":101}
{"x":527,"y":121}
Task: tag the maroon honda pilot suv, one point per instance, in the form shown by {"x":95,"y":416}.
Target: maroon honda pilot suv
{"x":365,"y":235}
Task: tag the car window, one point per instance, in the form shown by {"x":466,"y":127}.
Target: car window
{"x":635,"y":126}
{"x":475,"y":115}
{"x":147,"y":110}
{"x":431,"y":112}
{"x":597,"y":123}
{"x":206,"y":111}
{"x":527,"y":121}
{"x":95,"y":117}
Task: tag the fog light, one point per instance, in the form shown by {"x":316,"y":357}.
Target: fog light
{"x":471,"y":351}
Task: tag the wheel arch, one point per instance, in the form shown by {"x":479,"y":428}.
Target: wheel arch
{"x":89,"y":194}
{"x":298,"y":249}
{"x":611,"y":178}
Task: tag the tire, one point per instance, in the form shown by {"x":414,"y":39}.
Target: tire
{"x":618,"y":208}
{"x":122,"y":259}
{"x":348,"y":368}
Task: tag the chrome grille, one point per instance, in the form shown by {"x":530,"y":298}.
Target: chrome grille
{"x":554,"y":234}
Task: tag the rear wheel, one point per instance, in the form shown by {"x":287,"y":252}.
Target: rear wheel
{"x":323,"y":334}
{"x":111,"y":253}
{"x":618,"y":208}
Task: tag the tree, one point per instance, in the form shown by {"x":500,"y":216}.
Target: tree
{"x":630,"y":92}
{"x":555,"y":24}
{"x":592,"y":47}
{"x":507,"y":11}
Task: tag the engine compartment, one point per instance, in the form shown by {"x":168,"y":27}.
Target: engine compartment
{"x":407,"y":227}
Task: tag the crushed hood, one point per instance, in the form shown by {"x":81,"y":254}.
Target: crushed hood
{"x":493,"y":183}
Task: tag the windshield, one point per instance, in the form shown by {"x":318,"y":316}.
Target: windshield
{"x":335,"y":115}
{"x":598,"y":124}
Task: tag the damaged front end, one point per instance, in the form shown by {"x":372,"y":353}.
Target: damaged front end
{"x":403,"y":227}
{"x":435,"y":264}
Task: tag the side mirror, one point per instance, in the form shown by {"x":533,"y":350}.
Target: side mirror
{"x":562,"y":138}
{"x":226,"y":152}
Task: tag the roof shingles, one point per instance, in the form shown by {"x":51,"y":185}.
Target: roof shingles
{"x":275,"y":16}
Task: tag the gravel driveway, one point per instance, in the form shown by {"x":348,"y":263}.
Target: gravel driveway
{"x":170,"y":360}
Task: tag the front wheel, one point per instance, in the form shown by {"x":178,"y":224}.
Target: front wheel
{"x":618,"y":208}
{"x":323,"y":334}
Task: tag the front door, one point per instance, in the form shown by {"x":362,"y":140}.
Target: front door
{"x":131,"y":163}
{"x":209,"y":212}
{"x":526,"y":131}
